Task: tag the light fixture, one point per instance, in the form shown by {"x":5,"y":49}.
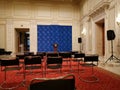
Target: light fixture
{"x":84,"y":31}
{"x":118,"y":20}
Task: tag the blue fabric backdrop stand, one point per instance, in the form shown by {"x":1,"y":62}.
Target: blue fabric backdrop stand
{"x":51,"y":34}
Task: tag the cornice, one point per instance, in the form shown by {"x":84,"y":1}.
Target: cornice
{"x":96,"y":10}
{"x":100,"y":7}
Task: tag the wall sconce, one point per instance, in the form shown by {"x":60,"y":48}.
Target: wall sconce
{"x":84,"y":31}
{"x":118,"y":20}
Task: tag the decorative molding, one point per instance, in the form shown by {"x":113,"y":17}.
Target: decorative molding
{"x":99,"y":8}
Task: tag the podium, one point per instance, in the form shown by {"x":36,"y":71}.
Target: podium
{"x":55,"y":46}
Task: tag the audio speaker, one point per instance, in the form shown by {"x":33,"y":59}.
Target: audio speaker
{"x":110,"y":35}
{"x":79,"y":40}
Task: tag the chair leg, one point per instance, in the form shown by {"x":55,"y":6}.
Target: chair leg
{"x":95,"y":79}
{"x":5,"y":83}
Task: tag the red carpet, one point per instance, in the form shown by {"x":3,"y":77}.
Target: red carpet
{"x":107,"y":80}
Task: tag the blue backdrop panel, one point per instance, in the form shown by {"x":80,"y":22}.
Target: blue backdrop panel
{"x":50,"y":34}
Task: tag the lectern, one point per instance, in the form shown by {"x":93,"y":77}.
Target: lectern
{"x":55,"y":46}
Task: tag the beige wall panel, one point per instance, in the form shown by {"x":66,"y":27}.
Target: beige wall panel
{"x":21,"y":10}
{"x":2,"y":21}
{"x":85,"y":9}
{"x":10,"y":35}
{"x":93,"y":3}
{"x":43,"y":12}
{"x":44,"y":22}
{"x":89,"y":37}
{"x":75,"y":35}
{"x":2,"y":36}
{"x":21,"y":24}
{"x":33,"y":36}
{"x":2,"y":9}
{"x":65,"y":13}
{"x":111,"y":19}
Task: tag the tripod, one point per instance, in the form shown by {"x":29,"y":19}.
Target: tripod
{"x":80,"y":48}
{"x":112,"y":57}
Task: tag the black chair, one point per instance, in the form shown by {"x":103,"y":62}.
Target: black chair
{"x":66,"y":82}
{"x":29,"y":53}
{"x":53,"y":63}
{"x":66,"y":58}
{"x":65,"y":54}
{"x":41,"y":54}
{"x":7,"y":64}
{"x":79,"y":57}
{"x":20,"y":55}
{"x":32,"y":62}
{"x":52,"y":54}
{"x":90,"y":58}
{"x":3,"y":52}
{"x":73,"y":52}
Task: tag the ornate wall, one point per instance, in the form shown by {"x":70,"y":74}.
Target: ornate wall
{"x":30,"y":13}
{"x":93,"y":12}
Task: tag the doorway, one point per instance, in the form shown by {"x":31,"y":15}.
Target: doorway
{"x":100,"y":37}
{"x":22,"y":39}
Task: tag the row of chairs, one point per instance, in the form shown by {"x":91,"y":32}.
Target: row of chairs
{"x":66,"y":57}
{"x":65,"y":54}
{"x":33,"y":61}
{"x":37,"y":59}
{"x":30,"y":62}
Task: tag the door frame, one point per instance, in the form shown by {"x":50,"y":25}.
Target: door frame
{"x":18,"y":46}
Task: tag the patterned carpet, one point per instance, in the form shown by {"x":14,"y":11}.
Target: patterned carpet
{"x":105,"y":80}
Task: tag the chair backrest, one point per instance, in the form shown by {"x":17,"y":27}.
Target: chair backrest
{"x":52,"y":54}
{"x":79,"y":55}
{"x":92,"y":58}
{"x":32,"y":60}
{"x":65,"y":54}
{"x":20,"y":55}
{"x":54,"y":60}
{"x":29,"y":53}
{"x":9,"y":61}
{"x":41,"y":54}
{"x":66,"y":82}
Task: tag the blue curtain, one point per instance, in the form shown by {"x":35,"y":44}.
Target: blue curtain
{"x":51,"y":34}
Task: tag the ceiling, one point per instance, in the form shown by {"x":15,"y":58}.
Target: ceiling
{"x":63,"y":0}
{"x":69,"y":1}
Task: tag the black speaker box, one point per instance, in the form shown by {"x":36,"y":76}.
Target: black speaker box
{"x":79,"y":40}
{"x":110,"y":35}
